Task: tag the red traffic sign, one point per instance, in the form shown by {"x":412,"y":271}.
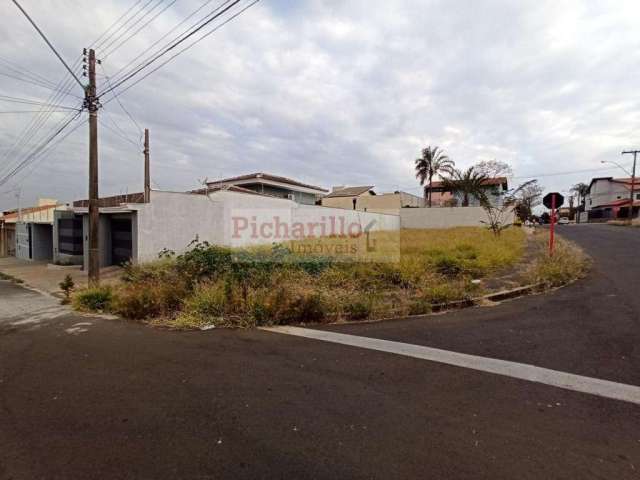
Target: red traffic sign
{"x":548,"y":200}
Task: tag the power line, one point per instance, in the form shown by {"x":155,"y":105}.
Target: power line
{"x":102,"y":42}
{"x":11,"y":112}
{"x":172,"y":46}
{"x":173,"y":29}
{"x":34,"y":82}
{"x":25,"y":72}
{"x":118,"y":132}
{"x":26,"y":101}
{"x":107,"y":54}
{"x":49,"y":43}
{"x":186,"y":48}
{"x":33,"y":155}
{"x":99,"y":39}
{"x":133,"y":120}
{"x":49,"y":150}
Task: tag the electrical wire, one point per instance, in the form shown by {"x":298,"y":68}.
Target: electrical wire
{"x":186,"y":48}
{"x":106,"y":54}
{"x":133,"y":120}
{"x":37,"y":151}
{"x":173,"y":29}
{"x":172,"y":44}
{"x":34,"y":82}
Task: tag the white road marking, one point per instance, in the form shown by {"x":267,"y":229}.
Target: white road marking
{"x":522,"y":371}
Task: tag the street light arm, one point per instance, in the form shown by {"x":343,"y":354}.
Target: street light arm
{"x":617,"y":165}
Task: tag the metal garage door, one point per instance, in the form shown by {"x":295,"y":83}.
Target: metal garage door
{"x":121,"y":243}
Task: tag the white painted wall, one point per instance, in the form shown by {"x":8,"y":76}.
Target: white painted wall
{"x":446,"y":217}
{"x":173,"y":220}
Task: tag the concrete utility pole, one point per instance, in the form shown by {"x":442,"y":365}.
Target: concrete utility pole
{"x":633,"y":181}
{"x":147,"y":174}
{"x":91,"y":102}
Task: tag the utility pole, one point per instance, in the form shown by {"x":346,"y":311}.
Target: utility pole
{"x":147,"y":174}
{"x":633,"y":181}
{"x":91,"y":103}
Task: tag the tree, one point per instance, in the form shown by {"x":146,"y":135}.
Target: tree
{"x":469,"y":183}
{"x":582,"y":190}
{"x":432,"y":162}
{"x":528,"y":196}
{"x":494,"y":168}
{"x":496,"y":211}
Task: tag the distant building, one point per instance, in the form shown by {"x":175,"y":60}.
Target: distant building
{"x":274,"y":186}
{"x":366,"y":199}
{"x":608,"y":198}
{"x":27,"y":233}
{"x":495,"y":188}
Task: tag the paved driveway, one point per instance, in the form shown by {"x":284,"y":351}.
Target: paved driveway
{"x":93,"y":398}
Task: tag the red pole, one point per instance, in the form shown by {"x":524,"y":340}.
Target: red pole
{"x":553,"y":222}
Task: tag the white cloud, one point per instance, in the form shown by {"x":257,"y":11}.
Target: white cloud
{"x":335,"y":92}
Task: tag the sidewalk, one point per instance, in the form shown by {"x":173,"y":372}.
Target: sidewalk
{"x":46,"y":277}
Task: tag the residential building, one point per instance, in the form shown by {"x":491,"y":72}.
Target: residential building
{"x":364,"y":198}
{"x":27,"y":233}
{"x":608,"y":198}
{"x":495,"y":189}
{"x":273,"y":185}
{"x":132,"y":230}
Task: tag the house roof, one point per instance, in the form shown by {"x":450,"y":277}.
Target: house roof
{"x":350,"y":191}
{"x":266,"y":176}
{"x":488,"y":182}
{"x":114,"y":201}
{"x":14,"y":213}
{"x":624,"y":181}
{"x":230,"y":188}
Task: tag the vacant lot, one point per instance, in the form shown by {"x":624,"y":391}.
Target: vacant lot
{"x":311,"y":280}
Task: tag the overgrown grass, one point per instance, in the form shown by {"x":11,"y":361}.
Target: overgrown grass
{"x":310,"y":280}
{"x":10,"y":278}
{"x":569,"y":262}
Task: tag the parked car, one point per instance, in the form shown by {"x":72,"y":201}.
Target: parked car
{"x":563,"y":221}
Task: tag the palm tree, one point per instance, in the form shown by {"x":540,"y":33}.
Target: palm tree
{"x":432,"y":162}
{"x":582,"y":190}
{"x":469,"y":182}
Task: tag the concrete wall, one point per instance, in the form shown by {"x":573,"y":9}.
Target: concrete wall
{"x":446,"y":217}
{"x":385,"y":203}
{"x":173,"y":220}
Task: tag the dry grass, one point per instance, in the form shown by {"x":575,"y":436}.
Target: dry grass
{"x":569,"y":262}
{"x":315,"y":280}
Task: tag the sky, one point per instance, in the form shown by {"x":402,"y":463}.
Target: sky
{"x":331,"y":92}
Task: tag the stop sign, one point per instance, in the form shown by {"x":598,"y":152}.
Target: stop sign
{"x":548,"y":198}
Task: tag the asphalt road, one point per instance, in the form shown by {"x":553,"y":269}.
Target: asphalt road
{"x":93,"y":398}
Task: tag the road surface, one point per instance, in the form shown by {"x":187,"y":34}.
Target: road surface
{"x":85,"y":397}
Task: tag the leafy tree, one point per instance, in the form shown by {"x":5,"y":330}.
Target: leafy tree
{"x":494,"y":168}
{"x":527,"y":197}
{"x":432,"y":162}
{"x":469,"y":182}
{"x":496,"y":212}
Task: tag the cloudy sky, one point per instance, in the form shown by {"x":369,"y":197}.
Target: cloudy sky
{"x":333,"y":92}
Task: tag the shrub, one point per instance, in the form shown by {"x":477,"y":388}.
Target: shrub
{"x":94,"y":299}
{"x":359,"y":308}
{"x":205,"y":261}
{"x":66,"y":286}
